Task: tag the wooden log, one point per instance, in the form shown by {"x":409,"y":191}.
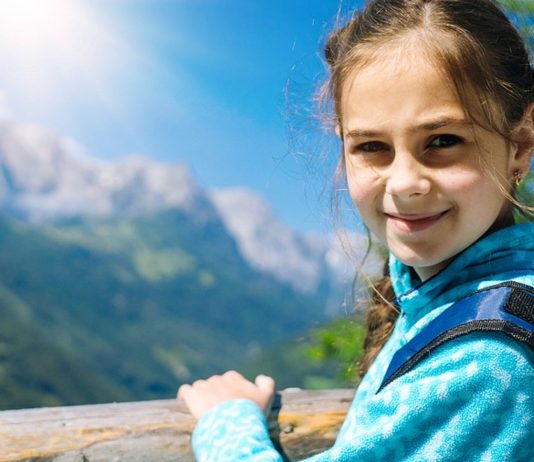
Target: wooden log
{"x":302,"y":423}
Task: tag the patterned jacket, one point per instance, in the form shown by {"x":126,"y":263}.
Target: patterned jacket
{"x":471,"y":400}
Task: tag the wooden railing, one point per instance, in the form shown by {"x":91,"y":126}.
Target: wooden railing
{"x":302,"y":423}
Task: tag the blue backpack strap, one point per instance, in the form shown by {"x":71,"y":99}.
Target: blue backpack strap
{"x":506,"y":308}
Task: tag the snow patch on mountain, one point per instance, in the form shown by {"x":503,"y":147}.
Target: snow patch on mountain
{"x":265,"y":242}
{"x":304,"y":261}
{"x":44,"y":176}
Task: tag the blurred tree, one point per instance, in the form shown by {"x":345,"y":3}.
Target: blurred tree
{"x":525,"y":194}
{"x":342,"y":341}
{"x":522,"y":14}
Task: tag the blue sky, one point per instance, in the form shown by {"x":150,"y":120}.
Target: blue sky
{"x":196,"y":81}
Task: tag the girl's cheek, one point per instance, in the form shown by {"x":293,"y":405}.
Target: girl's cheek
{"x":361,"y":198}
{"x":356,"y":186}
{"x":464,"y":181}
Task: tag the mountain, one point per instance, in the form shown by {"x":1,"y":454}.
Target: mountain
{"x":137,"y":304}
{"x":310,"y":263}
{"x":121,"y":280}
{"x":296,"y":259}
{"x":44,"y":177}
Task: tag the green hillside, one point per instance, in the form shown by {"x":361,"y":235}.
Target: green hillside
{"x":97,"y":310}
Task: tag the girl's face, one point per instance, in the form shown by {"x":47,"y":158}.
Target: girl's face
{"x":413,"y":163}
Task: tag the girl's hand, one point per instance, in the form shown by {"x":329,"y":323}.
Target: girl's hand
{"x":203,"y":395}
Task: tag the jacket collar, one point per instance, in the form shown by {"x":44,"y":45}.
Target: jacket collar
{"x":497,"y":257}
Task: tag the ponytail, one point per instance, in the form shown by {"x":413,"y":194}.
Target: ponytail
{"x":380,"y":320}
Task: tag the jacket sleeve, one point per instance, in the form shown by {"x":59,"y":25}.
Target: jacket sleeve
{"x":234,"y":431}
{"x":471,"y":400}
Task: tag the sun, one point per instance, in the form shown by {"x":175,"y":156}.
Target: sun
{"x":37,"y":23}
{"x":49,"y":48}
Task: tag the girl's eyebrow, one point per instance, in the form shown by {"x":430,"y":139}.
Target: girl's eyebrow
{"x":428,"y":126}
{"x":440,"y":123}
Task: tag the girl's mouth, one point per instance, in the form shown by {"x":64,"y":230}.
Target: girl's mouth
{"x":412,"y":223}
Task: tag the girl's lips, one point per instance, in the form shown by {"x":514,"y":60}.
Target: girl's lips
{"x":415,"y":222}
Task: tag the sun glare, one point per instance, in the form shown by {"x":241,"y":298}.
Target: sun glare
{"x":52,"y":49}
{"x":37,"y":22}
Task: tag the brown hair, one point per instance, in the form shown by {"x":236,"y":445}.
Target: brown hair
{"x":478,"y":50}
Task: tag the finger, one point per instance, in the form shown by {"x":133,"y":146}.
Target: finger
{"x":265,"y":383}
{"x":233,"y":375}
{"x":200,"y":384}
{"x":266,"y":386}
{"x":184,"y":391}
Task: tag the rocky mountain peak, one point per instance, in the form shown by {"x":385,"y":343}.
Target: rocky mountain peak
{"x":44,"y":176}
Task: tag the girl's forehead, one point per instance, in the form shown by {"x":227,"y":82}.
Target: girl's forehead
{"x":376,"y":68}
{"x":393,"y":58}
{"x":404,"y":50}
{"x":389,"y":72}
{"x":378,"y":79}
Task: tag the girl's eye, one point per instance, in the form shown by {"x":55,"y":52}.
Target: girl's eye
{"x":445,"y":141}
{"x":371,"y":146}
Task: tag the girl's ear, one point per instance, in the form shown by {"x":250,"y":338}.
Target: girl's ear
{"x":338,"y":130}
{"x":523,"y":137}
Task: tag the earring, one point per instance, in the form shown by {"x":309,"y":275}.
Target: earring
{"x":518,"y":176}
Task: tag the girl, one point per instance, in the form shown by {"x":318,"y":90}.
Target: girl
{"x":434,"y":103}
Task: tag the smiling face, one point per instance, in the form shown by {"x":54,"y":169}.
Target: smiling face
{"x":422,"y":176}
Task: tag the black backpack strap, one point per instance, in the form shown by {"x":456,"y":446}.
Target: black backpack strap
{"x":506,"y":308}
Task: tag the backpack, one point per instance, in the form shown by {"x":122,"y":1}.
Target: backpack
{"x":507,"y":308}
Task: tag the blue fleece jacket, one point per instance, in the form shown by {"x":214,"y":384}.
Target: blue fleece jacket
{"x":472,"y":399}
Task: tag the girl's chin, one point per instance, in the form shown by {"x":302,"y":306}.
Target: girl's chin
{"x":426,"y":272}
{"x":425,"y":268}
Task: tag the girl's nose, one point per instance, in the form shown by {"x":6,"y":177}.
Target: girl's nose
{"x":406,"y":177}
